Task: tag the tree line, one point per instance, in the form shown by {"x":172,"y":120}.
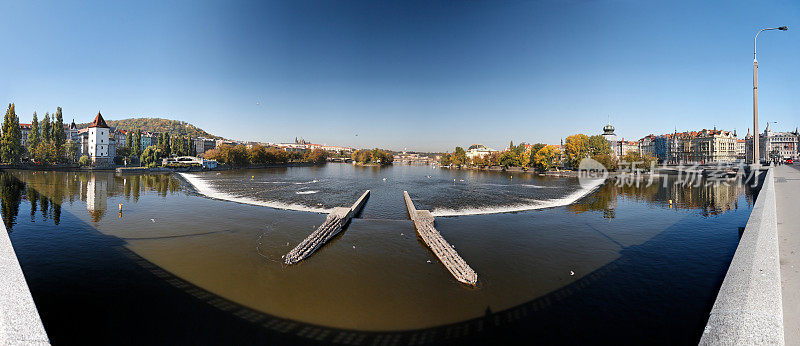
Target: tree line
{"x":538,"y":156}
{"x":46,"y":143}
{"x":174,"y":128}
{"x":150,"y":156}
{"x":543,"y":157}
{"x":240,"y":156}
{"x":374,"y":156}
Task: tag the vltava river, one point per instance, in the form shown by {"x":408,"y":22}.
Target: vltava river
{"x":197,"y":257}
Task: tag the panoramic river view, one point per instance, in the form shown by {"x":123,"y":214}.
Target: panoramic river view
{"x":556,"y":261}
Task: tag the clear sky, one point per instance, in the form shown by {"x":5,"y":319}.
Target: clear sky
{"x":419,"y":75}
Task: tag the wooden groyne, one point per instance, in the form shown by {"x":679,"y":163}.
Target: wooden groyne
{"x":334,"y":224}
{"x":423,"y":223}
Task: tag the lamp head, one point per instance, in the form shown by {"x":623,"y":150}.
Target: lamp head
{"x":783,"y":28}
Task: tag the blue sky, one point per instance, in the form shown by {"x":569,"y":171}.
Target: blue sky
{"x":419,"y":75}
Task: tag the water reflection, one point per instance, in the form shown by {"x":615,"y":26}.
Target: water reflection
{"x":11,"y":190}
{"x":47,"y":191}
{"x":707,"y":200}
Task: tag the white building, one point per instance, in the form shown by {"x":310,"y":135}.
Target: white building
{"x":647,"y":146}
{"x":624,"y":147}
{"x":190,"y":160}
{"x":610,"y":136}
{"x":773,"y":146}
{"x":778,"y":145}
{"x":202,"y":144}
{"x":72,"y":130}
{"x":741,"y":150}
{"x":96,"y":197}
{"x":24,"y":131}
{"x":98,"y":140}
{"x":478,"y":151}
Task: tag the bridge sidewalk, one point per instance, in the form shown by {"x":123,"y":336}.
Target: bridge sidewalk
{"x":787,"y":200}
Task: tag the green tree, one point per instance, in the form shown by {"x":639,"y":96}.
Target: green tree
{"x":10,"y":145}
{"x":35,"y":136}
{"x":317,"y":156}
{"x":509,"y":159}
{"x":576,"y":148}
{"x":517,"y":149}
{"x":70,"y":150}
{"x":129,"y":141}
{"x":257,"y":155}
{"x":535,"y":149}
{"x":525,"y":157}
{"x":47,"y":128}
{"x":446,"y":159}
{"x":84,"y":160}
{"x":599,"y":145}
{"x":151,"y":156}
{"x":459,"y":156}
{"x":59,"y":136}
{"x":600,"y":151}
{"x":607,"y":160}
{"x":137,"y":144}
{"x":229,"y":155}
{"x":167,"y":151}
{"x":633,"y":160}
{"x":123,"y":152}
{"x":493,"y":159}
{"x":176,"y":146}
{"x":46,"y":152}
{"x":546,"y":158}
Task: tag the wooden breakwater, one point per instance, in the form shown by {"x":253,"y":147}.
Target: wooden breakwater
{"x":334,"y":223}
{"x":423,"y":223}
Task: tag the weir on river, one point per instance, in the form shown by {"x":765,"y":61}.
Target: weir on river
{"x":423,"y":223}
{"x":335,"y":222}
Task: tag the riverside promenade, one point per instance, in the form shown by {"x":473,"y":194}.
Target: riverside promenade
{"x":19,"y":319}
{"x":787,"y":198}
{"x":759,"y":300}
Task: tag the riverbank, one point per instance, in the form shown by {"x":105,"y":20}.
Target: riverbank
{"x":218,"y":168}
{"x":68,"y":167}
{"x":371,"y":164}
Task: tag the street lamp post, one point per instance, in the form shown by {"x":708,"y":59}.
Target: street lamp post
{"x":756,"y":160}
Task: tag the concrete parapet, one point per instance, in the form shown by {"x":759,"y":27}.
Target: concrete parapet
{"x":19,"y":320}
{"x":748,"y":309}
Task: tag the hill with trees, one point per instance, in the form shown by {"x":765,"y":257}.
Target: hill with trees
{"x":171,"y":127}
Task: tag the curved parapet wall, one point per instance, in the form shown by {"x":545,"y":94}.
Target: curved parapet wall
{"x":19,"y":320}
{"x":748,"y":309}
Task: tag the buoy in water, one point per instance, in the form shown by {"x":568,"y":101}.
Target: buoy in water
{"x":120,"y":207}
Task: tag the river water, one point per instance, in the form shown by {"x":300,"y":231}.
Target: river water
{"x":196,"y":257}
